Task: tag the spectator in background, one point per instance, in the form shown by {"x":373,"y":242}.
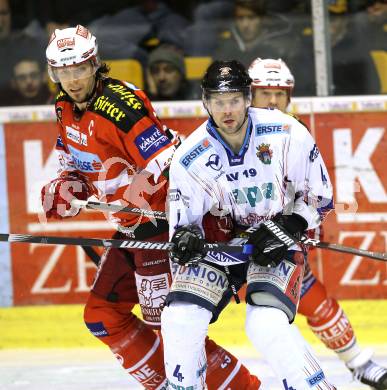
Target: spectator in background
{"x":353,"y":70}
{"x":377,"y":23}
{"x":167,"y":26}
{"x":12,"y":43}
{"x":166,"y":76}
{"x":135,"y":31}
{"x":255,"y":32}
{"x":28,"y":85}
{"x":219,"y":12}
{"x":378,"y":9}
{"x":5,"y":19}
{"x":375,"y":28}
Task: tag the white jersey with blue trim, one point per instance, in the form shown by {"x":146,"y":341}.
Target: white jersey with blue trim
{"x":278,"y":169}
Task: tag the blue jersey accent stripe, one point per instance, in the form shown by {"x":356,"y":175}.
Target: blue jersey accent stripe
{"x":233,"y":158}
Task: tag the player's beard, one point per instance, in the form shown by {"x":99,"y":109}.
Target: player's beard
{"x":81,"y":93}
{"x":236,"y":128}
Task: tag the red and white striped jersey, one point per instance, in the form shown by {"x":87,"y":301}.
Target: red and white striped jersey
{"x":118,"y":144}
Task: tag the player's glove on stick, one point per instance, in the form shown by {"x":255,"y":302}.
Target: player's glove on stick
{"x":273,"y":238}
{"x":57,"y":195}
{"x":188,"y":249}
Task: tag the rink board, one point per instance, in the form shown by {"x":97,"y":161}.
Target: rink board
{"x":62,"y":326}
{"x":350,"y":133}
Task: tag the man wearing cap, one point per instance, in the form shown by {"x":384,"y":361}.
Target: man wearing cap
{"x":166,"y":76}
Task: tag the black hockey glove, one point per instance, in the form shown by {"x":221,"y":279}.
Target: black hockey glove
{"x":188,"y":248}
{"x":272,"y":240}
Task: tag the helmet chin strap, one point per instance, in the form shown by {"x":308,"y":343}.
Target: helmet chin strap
{"x":244,"y":121}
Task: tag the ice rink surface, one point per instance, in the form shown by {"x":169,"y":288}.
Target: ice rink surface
{"x":48,"y":347}
{"x":96,"y":369}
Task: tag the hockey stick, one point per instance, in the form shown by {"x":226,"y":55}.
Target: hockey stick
{"x":274,"y":227}
{"x":304,"y":240}
{"x":94,"y":205}
{"x":92,"y":254}
{"x":114,"y":243}
{"x":344,"y":249}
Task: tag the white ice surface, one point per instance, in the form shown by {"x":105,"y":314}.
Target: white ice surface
{"x":96,"y":369}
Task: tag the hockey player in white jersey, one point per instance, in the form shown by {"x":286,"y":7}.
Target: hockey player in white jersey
{"x":272,"y":87}
{"x":261,"y":168}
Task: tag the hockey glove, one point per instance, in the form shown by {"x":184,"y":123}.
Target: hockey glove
{"x":188,"y":248}
{"x":57,"y":195}
{"x":271,"y":240}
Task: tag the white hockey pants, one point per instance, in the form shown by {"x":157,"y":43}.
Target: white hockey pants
{"x":184,"y":328}
{"x":284,"y":349}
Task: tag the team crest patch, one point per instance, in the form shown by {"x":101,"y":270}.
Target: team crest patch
{"x":264,"y":153}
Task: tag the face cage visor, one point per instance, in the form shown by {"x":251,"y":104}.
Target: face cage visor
{"x":226,"y":101}
{"x":69,"y":73}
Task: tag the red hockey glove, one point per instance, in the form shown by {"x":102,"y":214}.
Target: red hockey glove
{"x":57,"y":195}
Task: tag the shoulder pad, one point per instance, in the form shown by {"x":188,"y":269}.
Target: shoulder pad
{"x":297,"y":119}
{"x":119,"y":104}
{"x":292,"y":115}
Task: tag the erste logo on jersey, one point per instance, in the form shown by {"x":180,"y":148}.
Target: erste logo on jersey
{"x":150,"y":141}
{"x":86,"y":162}
{"x":76,"y":136}
{"x":195,"y":152}
{"x":271,"y":128}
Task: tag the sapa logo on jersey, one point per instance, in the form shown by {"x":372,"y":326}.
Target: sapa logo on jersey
{"x":76,"y":136}
{"x":86,"y":162}
{"x":150,"y":141}
{"x":271,"y":128}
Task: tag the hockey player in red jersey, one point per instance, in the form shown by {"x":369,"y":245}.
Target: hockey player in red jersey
{"x":272,"y":87}
{"x":112,"y":145}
